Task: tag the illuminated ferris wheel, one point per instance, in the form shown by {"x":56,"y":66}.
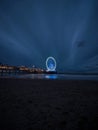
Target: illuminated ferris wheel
{"x":51,"y":64}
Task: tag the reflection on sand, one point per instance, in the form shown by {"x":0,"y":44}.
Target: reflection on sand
{"x":60,"y":76}
{"x":54,"y":76}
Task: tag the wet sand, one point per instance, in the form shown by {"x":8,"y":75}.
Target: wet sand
{"x":27,"y":104}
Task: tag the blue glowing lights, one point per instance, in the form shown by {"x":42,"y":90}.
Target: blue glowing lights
{"x":51,"y":64}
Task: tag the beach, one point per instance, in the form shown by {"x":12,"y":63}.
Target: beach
{"x":44,"y":104}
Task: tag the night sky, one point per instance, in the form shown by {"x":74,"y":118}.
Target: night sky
{"x":32,"y":30}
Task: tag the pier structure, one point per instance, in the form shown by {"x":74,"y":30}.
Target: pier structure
{"x":6,"y":69}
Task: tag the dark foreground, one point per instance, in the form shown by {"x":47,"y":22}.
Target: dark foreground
{"x":27,"y":104}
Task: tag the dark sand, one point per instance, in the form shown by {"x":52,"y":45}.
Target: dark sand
{"x":27,"y":104}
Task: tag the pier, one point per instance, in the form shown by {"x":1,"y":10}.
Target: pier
{"x":6,"y":69}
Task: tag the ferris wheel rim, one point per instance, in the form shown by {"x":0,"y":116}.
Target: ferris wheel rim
{"x":50,"y":57}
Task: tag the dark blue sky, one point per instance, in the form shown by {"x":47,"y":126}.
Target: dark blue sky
{"x":32,"y":30}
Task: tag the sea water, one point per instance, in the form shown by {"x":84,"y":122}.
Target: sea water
{"x":53,"y":76}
